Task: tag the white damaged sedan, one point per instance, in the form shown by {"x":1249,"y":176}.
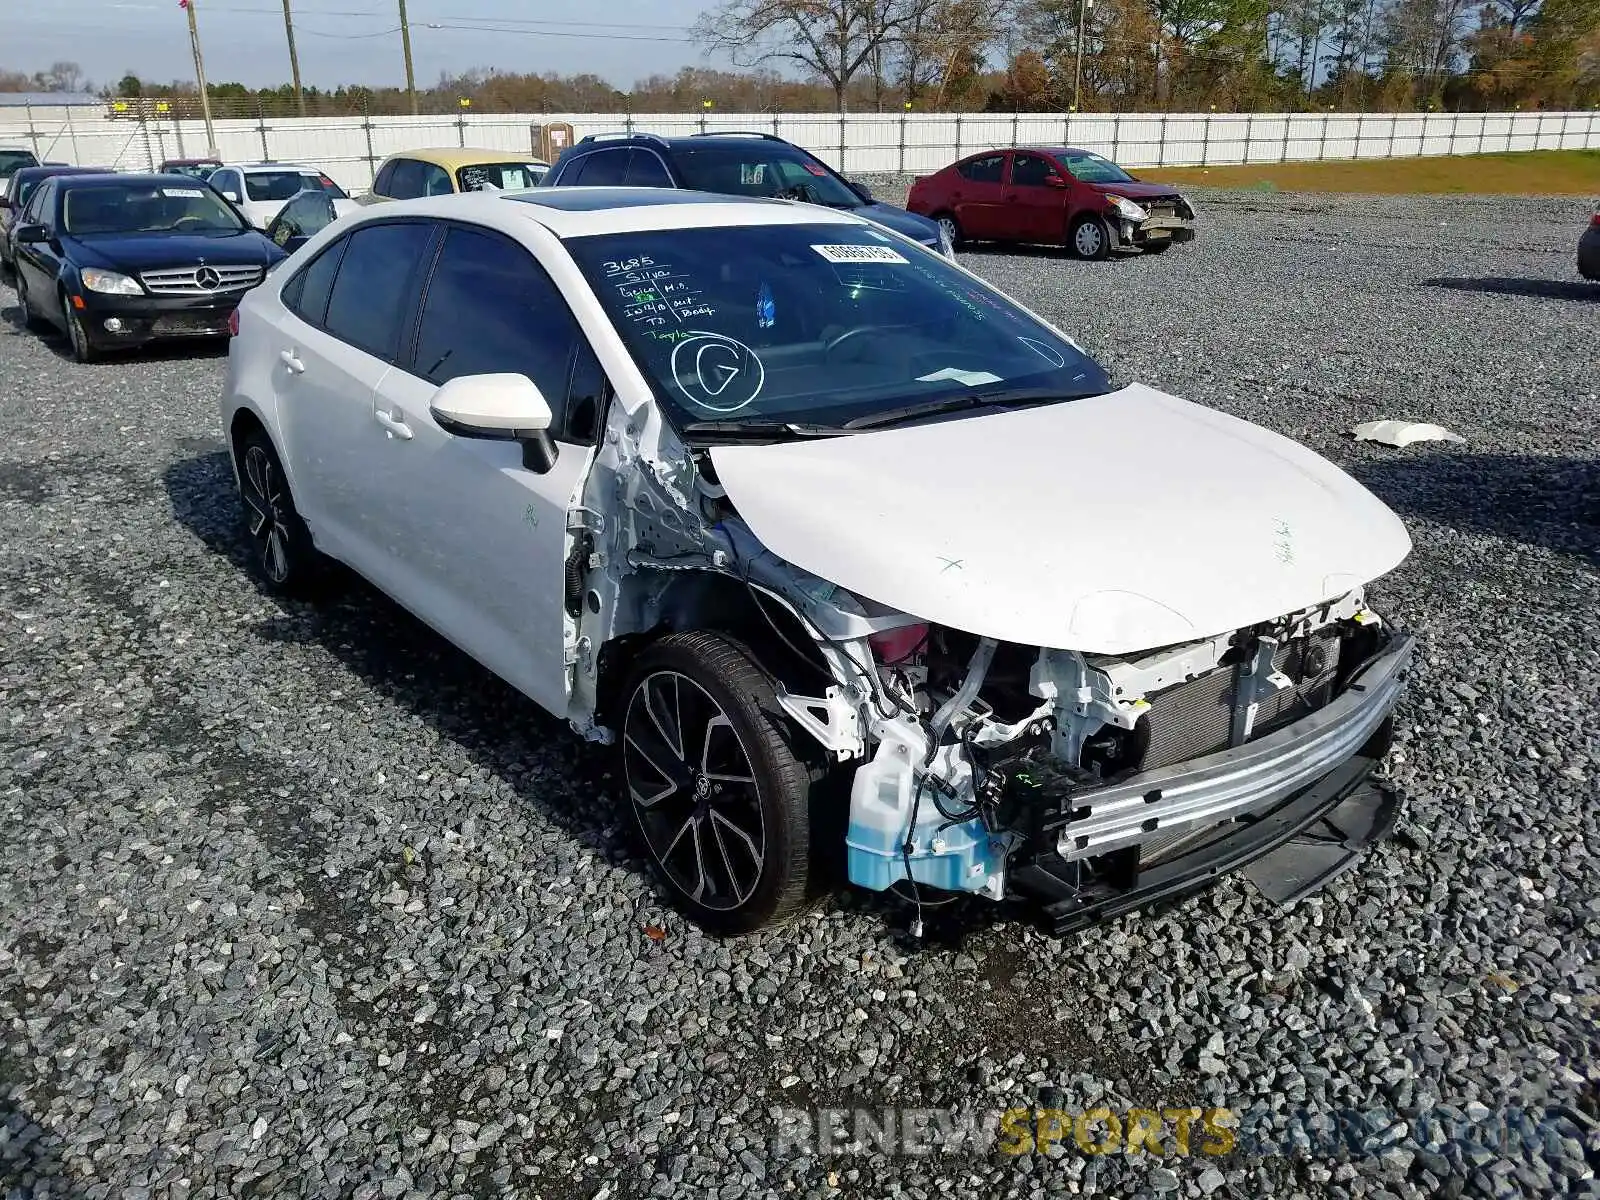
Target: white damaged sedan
{"x":864,"y":571}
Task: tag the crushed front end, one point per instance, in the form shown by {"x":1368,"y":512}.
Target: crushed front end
{"x":1100,"y":784}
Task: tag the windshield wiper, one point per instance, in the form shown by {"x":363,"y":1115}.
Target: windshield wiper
{"x":964,"y":401}
{"x":753,"y":431}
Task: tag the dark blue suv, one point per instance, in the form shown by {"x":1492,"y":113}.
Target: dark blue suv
{"x":731,"y":164}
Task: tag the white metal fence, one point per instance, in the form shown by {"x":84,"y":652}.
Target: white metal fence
{"x":349,"y":148}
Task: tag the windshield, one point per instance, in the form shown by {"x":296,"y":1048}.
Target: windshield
{"x":286,"y":185}
{"x":500,"y":177}
{"x":763,"y":168}
{"x":1091,"y":168}
{"x":193,"y":170}
{"x":146,"y":208}
{"x":818,"y":324}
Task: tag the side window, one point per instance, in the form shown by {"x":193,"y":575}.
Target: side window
{"x":406,"y":182}
{"x":373,"y":291}
{"x":435,"y":181}
{"x":608,"y":168}
{"x":307,"y":293}
{"x":1029,"y":170}
{"x":983,"y":170}
{"x":491,"y":308}
{"x":42,"y":203}
{"x":586,"y":395}
{"x":227,"y":181}
{"x":385,"y":178}
{"x":645,"y":169}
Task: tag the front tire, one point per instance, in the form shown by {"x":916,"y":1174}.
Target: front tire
{"x":283,"y":553}
{"x":1090,"y":239}
{"x":720,"y":800}
{"x":77,"y":335}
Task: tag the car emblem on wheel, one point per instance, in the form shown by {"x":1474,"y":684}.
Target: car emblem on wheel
{"x":207,"y":278}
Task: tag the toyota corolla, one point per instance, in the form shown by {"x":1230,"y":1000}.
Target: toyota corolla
{"x":861,"y":569}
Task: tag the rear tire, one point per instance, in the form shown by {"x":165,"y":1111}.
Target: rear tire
{"x":30,"y":319}
{"x":951,"y":227}
{"x":1090,"y":239}
{"x":719,"y":798}
{"x":284,"y":556}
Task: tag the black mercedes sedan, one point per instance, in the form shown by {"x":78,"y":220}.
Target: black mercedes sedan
{"x":116,"y":261}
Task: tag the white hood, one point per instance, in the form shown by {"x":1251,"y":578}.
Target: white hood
{"x":1113,"y":524}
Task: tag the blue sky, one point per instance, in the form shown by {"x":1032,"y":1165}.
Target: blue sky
{"x":347,"y":41}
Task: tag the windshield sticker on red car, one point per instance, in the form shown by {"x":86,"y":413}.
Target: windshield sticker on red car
{"x":860,"y":254}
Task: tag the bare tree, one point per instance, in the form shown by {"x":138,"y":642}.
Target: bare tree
{"x":833,"y":39}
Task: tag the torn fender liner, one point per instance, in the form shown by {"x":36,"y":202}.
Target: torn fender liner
{"x":1110,"y":524}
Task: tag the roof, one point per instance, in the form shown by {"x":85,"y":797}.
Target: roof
{"x":189,"y":162}
{"x":451,"y":157}
{"x":264,"y":167}
{"x":109,"y":176}
{"x":45,"y":172}
{"x":581,"y":212}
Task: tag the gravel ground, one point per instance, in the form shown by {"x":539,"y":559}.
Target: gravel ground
{"x":298,"y":901}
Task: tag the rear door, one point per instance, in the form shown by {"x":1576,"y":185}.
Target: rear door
{"x":477,"y":540}
{"x":1037,"y":197}
{"x":978,"y":197}
{"x":346,"y":312}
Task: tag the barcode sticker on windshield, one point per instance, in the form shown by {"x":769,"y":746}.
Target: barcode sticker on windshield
{"x":859,"y":254}
{"x":183,"y":193}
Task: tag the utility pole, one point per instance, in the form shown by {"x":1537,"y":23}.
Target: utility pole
{"x":200,"y":77}
{"x":1077,"y":71}
{"x":405,"y":41}
{"x":294,"y":59}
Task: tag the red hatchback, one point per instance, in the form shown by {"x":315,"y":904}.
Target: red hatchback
{"x":1057,"y":195}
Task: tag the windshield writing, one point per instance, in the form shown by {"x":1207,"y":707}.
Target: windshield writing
{"x":817,"y":323}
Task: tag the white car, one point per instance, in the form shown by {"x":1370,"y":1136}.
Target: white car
{"x":260,"y":190}
{"x":861,"y":569}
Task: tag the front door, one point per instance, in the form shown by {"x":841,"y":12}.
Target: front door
{"x":479,"y":541}
{"x":1037,"y":199}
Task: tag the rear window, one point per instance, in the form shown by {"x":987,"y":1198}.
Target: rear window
{"x":762,"y":168}
{"x":286,"y":185}
{"x":15,"y":160}
{"x":499,"y":177}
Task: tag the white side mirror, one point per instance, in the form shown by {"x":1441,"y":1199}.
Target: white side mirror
{"x":502,"y":407}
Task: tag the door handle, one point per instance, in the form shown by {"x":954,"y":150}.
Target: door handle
{"x":393,"y":424}
{"x":292,"y":361}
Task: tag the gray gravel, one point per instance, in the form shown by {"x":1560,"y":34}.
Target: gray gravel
{"x":299,"y":901}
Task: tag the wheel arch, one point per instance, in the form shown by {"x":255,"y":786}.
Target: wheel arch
{"x":715,"y":602}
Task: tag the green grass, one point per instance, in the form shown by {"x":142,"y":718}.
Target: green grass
{"x":1525,"y":173}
